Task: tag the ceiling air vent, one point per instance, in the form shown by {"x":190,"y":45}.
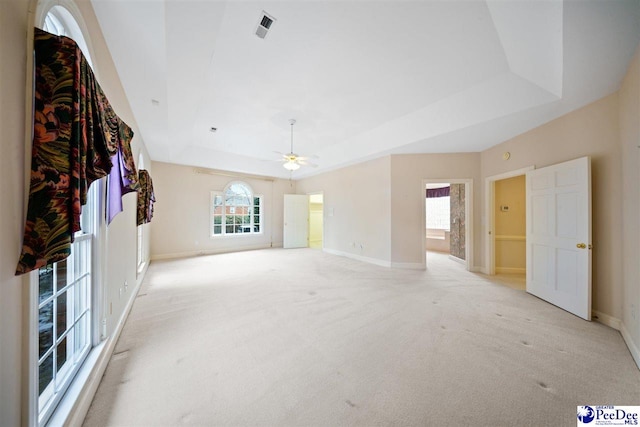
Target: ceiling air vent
{"x":265,"y":23}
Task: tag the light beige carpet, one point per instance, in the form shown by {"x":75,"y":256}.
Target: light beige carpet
{"x":302,"y":338}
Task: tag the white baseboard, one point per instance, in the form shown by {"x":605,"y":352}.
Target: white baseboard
{"x":458,"y":260}
{"x":369,"y":260}
{"x":189,"y":254}
{"x":605,"y":319}
{"x":633,"y":348}
{"x":81,"y":395}
{"x":511,"y":270}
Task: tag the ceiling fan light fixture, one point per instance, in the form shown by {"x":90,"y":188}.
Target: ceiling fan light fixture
{"x":291,"y":165}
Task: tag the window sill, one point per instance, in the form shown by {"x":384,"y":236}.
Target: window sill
{"x":140,"y":268}
{"x":234,"y":236}
{"x":70,"y":407}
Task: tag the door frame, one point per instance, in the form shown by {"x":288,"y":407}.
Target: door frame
{"x":315,"y":193}
{"x":468,"y":217}
{"x":490,"y":224}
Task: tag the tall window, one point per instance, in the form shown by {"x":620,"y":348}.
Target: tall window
{"x":62,"y":310}
{"x":64,"y":322}
{"x":236,"y":210}
{"x":140,"y":252}
{"x":438,"y":212}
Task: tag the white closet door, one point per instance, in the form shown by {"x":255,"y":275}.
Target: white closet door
{"x":296,"y":221}
{"x":559,"y":235}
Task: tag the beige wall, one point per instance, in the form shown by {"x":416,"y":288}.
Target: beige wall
{"x":511,"y":225}
{"x":180,"y":225}
{"x":13,"y":39}
{"x":589,"y":131}
{"x":408,"y":173}
{"x":439,"y":245}
{"x":120,"y":252}
{"x":356,"y":205}
{"x":630,"y":137}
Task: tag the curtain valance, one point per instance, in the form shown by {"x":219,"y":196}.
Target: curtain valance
{"x":438,"y":192}
{"x":146,"y":198}
{"x":76,"y":134}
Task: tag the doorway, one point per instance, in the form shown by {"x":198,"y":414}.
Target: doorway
{"x":448,"y":210}
{"x":510,"y":231}
{"x":316,"y":220}
{"x":506,"y":247}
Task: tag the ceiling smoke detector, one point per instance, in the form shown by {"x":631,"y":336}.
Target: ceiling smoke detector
{"x":265,"y":23}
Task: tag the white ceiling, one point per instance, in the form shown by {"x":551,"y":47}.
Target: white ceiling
{"x":362,"y":78}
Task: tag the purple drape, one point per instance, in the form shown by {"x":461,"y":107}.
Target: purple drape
{"x":438,"y":192}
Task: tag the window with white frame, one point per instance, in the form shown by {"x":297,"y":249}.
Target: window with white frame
{"x":141,"y":252}
{"x":438,"y":213}
{"x":62,"y":302}
{"x":236,"y":210}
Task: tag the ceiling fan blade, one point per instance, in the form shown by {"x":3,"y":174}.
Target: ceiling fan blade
{"x":307,"y":163}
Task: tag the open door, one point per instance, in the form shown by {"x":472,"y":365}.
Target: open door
{"x":559,"y":235}
{"x":296,"y":221}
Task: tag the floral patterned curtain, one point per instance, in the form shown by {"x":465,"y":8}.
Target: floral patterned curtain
{"x":146,"y":198}
{"x":76,"y":133}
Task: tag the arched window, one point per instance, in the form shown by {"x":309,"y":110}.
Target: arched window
{"x":236,"y":210}
{"x":62,"y":303}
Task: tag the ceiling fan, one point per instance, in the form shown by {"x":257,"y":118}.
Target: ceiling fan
{"x":292,"y":161}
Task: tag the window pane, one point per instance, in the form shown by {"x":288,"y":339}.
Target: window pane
{"x":217,"y":201}
{"x":217,"y":210}
{"x":61,"y":354}
{"x":229,"y":229}
{"x":217,"y":229}
{"x":45,"y":282}
{"x":237,"y":220}
{"x":45,"y":373}
{"x":81,"y":334}
{"x":61,"y":321}
{"x":256,"y":228}
{"x":256,"y":219}
{"x":228,"y":220}
{"x":61,"y":270}
{"x":80,"y":297}
{"x":45,"y":328}
{"x":438,"y":213}
{"x":237,"y":195}
{"x":217,"y":219}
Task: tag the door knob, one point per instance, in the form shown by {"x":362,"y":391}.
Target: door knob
{"x":581,"y":246}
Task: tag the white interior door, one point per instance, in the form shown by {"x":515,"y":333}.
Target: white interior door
{"x":296,"y":221}
{"x":559,"y":235}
